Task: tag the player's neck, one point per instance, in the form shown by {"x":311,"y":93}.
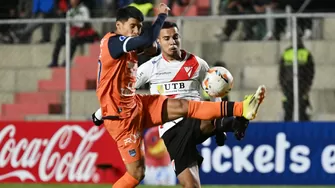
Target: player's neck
{"x":175,"y":57}
{"x":117,"y":32}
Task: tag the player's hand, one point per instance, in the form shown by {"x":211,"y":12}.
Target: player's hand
{"x":163,"y":9}
{"x":240,"y":125}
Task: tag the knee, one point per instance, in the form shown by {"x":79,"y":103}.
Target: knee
{"x":138,"y":172}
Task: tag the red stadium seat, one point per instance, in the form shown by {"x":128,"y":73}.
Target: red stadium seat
{"x":203,"y":4}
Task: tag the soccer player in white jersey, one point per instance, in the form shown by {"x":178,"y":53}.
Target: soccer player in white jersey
{"x":178,"y":74}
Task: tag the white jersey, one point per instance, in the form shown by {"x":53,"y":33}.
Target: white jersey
{"x":175,"y":79}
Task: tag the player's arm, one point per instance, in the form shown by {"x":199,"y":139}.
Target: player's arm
{"x":120,"y":44}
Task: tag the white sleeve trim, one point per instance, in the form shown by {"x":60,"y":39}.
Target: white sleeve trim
{"x":125,"y":43}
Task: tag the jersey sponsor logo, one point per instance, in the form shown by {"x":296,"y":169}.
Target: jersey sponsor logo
{"x":122,"y":38}
{"x":132,"y":139}
{"x":188,"y":70}
{"x":160,"y":89}
{"x":132,"y":152}
{"x":162,"y":73}
{"x":172,"y":88}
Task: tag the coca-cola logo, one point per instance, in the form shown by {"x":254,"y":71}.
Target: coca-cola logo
{"x":50,"y":155}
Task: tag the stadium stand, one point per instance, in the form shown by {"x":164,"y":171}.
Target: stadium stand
{"x":197,"y":8}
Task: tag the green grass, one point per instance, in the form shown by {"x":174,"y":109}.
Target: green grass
{"x":109,"y":186}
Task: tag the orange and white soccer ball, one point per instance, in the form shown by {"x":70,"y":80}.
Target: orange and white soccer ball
{"x":218,"y":82}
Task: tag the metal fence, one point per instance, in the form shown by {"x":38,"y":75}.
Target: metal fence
{"x":186,"y":24}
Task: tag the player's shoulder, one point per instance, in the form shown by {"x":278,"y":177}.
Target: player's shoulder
{"x":190,"y":55}
{"x":201,"y":61}
{"x":115,"y":41}
{"x":113,"y":37}
{"x":154,"y":61}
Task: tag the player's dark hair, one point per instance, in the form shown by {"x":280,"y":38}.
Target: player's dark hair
{"x":124,"y":13}
{"x":168,"y":25}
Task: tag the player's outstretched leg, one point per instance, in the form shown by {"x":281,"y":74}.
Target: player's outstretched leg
{"x":176,"y":108}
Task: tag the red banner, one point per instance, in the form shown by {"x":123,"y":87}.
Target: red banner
{"x":58,"y":152}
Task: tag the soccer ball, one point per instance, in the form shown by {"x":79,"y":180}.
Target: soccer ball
{"x":218,"y":82}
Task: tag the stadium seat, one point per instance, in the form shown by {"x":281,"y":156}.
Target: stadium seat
{"x":203,"y":4}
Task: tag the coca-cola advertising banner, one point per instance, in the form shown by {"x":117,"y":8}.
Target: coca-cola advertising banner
{"x":51,"y":152}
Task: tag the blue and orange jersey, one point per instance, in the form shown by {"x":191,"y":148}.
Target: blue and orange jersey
{"x":117,"y":67}
{"x":116,"y":77}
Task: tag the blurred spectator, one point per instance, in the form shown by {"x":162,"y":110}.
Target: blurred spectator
{"x":320,"y":6}
{"x":41,"y":9}
{"x":145,"y":6}
{"x":305,"y":79}
{"x":238,"y":7}
{"x":62,"y":8}
{"x":256,"y":7}
{"x":297,"y":6}
{"x":111,"y":7}
{"x":179,"y":3}
{"x":280,"y":23}
{"x":123,"y":3}
{"x":25,"y":8}
{"x":8,"y":10}
{"x":81,"y":32}
{"x":109,"y":11}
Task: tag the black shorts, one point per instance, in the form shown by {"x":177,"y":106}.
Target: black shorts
{"x":181,"y":141}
